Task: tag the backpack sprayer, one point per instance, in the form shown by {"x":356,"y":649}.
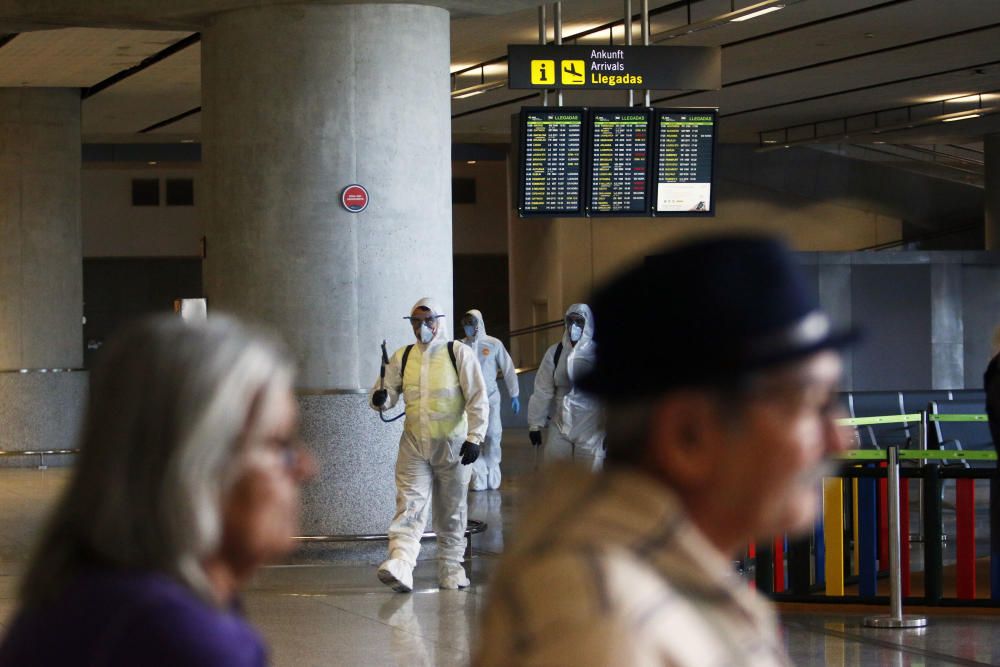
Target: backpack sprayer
{"x":381,"y":386}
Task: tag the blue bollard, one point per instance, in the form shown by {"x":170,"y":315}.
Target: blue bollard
{"x":867,"y":536}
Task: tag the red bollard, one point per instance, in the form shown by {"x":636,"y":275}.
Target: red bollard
{"x":779,"y":564}
{"x":965,"y":519}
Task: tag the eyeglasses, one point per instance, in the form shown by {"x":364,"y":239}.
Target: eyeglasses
{"x":578,"y":320}
{"x":288,"y":449}
{"x":426,"y":319}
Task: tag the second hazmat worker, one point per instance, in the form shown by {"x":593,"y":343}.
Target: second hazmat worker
{"x":494,"y":360}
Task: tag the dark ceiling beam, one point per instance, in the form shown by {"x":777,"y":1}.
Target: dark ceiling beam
{"x":810,"y":24}
{"x":965,"y":148}
{"x":171,"y":120}
{"x":872,"y":86}
{"x":146,"y":63}
{"x":497,"y":105}
{"x":843,"y":59}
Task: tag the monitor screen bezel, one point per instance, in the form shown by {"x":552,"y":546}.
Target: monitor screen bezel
{"x":655,"y":171}
{"x":647,"y":211}
{"x":581,"y":211}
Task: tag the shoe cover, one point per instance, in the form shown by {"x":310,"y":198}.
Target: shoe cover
{"x":478,"y":482}
{"x":494,"y":478}
{"x":452,"y":576}
{"x":396,"y":574}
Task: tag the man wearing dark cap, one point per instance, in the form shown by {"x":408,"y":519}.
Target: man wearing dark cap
{"x":717,"y":435}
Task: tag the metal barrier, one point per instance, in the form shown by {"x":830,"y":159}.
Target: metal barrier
{"x":40,"y":453}
{"x":864,"y":533}
{"x":473,"y":527}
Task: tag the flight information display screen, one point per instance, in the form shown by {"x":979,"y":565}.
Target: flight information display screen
{"x":552,"y":161}
{"x":685,"y":148}
{"x":618,"y":177}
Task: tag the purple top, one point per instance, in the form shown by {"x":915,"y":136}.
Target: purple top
{"x":114,"y":619}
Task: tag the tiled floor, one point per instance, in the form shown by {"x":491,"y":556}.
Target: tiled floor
{"x":323,"y":612}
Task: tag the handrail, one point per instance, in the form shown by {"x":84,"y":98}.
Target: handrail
{"x":930,"y":236}
{"x":918,"y":455}
{"x":888,"y":419}
{"x":535,"y":328}
{"x":904,"y":419}
{"x":40,"y":453}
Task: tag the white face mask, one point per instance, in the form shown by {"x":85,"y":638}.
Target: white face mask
{"x":426,"y":334}
{"x":575,"y":331}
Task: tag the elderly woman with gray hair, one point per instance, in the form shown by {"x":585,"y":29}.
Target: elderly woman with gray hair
{"x":188,"y":480}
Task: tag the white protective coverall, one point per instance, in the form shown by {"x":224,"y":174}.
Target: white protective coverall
{"x":576,"y":429}
{"x":443,"y":410}
{"x":493,"y":358}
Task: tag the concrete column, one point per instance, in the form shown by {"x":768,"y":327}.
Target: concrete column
{"x":991,"y":196}
{"x":41,"y":279}
{"x":298,"y":102}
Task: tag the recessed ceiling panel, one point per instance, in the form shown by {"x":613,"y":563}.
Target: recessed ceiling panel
{"x":77,"y":57}
{"x":168,"y":88}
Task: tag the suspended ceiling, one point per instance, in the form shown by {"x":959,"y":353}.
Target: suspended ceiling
{"x":825,"y":69}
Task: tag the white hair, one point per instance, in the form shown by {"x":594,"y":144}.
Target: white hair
{"x":170,"y":403}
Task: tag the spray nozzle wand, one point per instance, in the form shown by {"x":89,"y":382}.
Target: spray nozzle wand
{"x":381,"y":383}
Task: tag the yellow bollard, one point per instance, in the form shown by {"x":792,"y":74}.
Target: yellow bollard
{"x":833,"y":534}
{"x":855,"y":563}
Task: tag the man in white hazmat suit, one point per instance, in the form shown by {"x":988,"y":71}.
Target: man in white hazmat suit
{"x":493,"y":358}
{"x":576,"y":429}
{"x":446,"y":416}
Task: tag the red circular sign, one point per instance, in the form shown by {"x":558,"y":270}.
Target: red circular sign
{"x":354,"y":198}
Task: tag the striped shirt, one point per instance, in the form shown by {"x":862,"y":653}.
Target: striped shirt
{"x":606,"y":570}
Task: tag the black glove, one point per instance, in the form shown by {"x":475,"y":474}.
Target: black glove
{"x":380,"y":397}
{"x":535,"y":437}
{"x":469,"y":452}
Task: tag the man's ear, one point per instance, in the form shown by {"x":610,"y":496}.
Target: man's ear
{"x":685,"y":438}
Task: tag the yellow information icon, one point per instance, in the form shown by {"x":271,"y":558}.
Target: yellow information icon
{"x":573,"y":72}
{"x":543,"y":72}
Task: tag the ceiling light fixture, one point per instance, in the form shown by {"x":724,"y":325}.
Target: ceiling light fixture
{"x":759,"y":12}
{"x":965,"y":117}
{"x":744,"y":14}
{"x":478,"y":89}
{"x":872,"y":130}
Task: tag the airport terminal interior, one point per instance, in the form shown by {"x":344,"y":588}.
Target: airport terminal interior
{"x":316,"y":167}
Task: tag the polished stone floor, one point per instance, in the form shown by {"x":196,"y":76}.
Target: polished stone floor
{"x":323,"y":610}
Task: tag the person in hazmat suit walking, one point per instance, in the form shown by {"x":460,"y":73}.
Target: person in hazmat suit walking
{"x":493,"y":359}
{"x":576,"y":429}
{"x":446,"y":416}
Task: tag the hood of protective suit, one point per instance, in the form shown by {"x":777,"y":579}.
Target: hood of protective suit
{"x":587,"y":338}
{"x":481,"y":329}
{"x":442,"y":326}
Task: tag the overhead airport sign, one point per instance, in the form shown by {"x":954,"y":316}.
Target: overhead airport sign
{"x":614,"y":67}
